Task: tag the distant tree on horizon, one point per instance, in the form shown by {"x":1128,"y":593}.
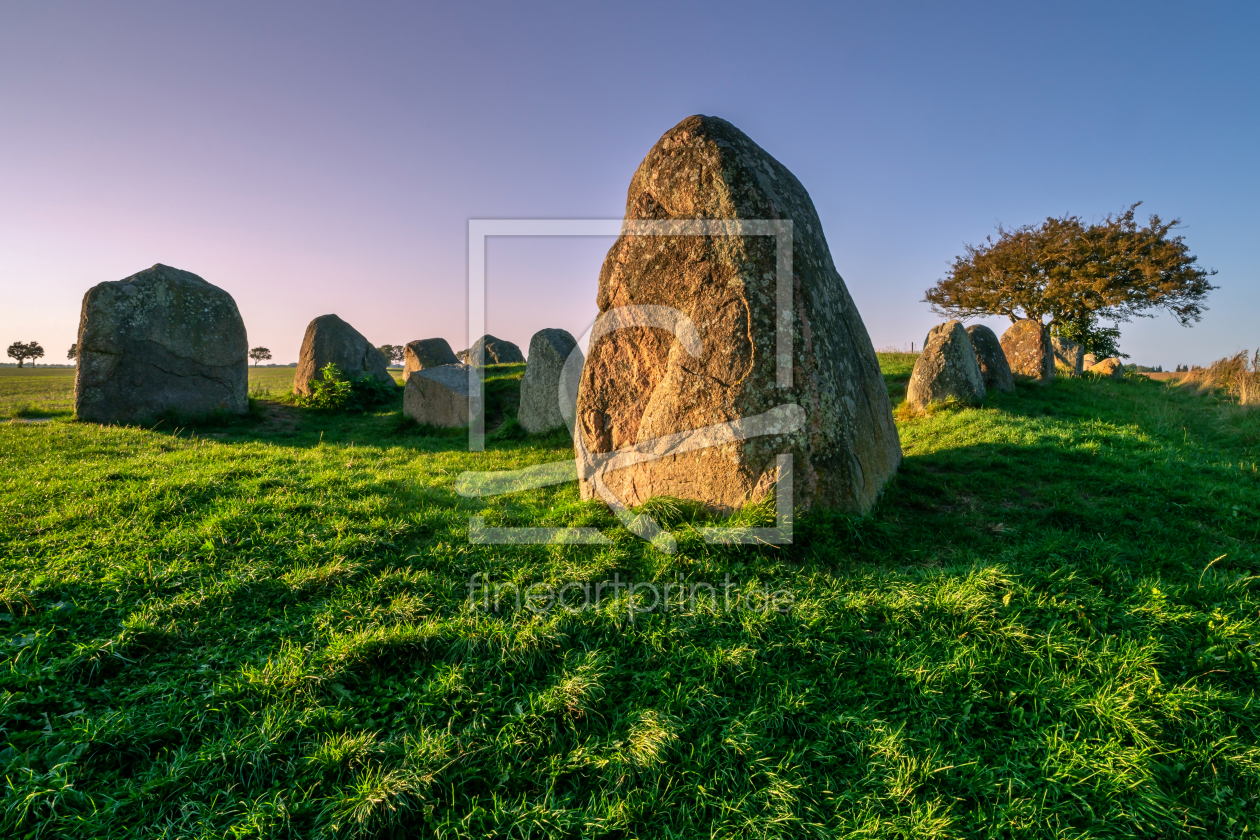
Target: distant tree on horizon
{"x":393,"y":353}
{"x":1078,"y":275}
{"x":73,"y":352}
{"x":25,"y":350}
{"x":259,"y":354}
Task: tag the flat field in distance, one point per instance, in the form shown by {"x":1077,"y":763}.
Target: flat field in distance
{"x":1047,"y":627}
{"x":36,"y":392}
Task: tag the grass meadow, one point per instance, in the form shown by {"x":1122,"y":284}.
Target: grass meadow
{"x":36,"y":392}
{"x":43,"y":392}
{"x":1046,"y":628}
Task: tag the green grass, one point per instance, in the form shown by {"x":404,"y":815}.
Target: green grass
{"x":270,"y":382}
{"x":49,"y":392}
{"x":36,"y":392}
{"x":1046,"y":628}
{"x":897,"y":368}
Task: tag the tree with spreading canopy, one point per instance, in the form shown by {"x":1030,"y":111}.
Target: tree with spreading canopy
{"x":393,"y":353}
{"x":73,"y":352}
{"x":1078,"y":275}
{"x":25,"y":350}
{"x":259,"y":354}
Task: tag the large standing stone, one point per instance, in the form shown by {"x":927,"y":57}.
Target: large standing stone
{"x":427,"y":353}
{"x":489,"y":350}
{"x":1112,"y":367}
{"x":640,"y":383}
{"x":160,"y":341}
{"x":1028,"y":350}
{"x":540,"y":389}
{"x":329,"y":339}
{"x":946,"y":369}
{"x":1069,"y":354}
{"x":994,"y":369}
{"x":438,"y":396}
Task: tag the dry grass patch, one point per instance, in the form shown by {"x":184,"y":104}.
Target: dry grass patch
{"x":1237,"y":375}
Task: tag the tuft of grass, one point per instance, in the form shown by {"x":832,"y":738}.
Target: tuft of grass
{"x":375,"y":801}
{"x":905,"y":411}
{"x":670,"y":512}
{"x":649,"y":739}
{"x":1237,"y":376}
{"x":509,"y":429}
{"x":345,"y":750}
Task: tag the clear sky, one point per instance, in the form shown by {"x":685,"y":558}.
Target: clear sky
{"x":313,"y":158}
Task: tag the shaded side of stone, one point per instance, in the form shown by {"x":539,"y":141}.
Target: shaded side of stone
{"x":163,"y":341}
{"x":994,"y":369}
{"x":489,"y":350}
{"x":438,"y":396}
{"x":540,"y":388}
{"x":1069,"y":354}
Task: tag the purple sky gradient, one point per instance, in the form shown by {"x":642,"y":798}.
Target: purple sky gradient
{"x":313,"y":158}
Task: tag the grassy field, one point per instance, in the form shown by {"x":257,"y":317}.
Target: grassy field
{"x":36,"y":392}
{"x":1046,"y":628}
{"x":40,"y":392}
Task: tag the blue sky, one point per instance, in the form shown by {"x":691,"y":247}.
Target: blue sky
{"x":314,"y":158}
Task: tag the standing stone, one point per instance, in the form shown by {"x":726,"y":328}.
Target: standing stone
{"x":438,"y":396}
{"x":1112,"y":367}
{"x":939,"y":328}
{"x":427,"y":353}
{"x":1069,"y":354}
{"x":489,"y":350}
{"x":641,"y":383}
{"x":540,"y":389}
{"x":163,"y":340}
{"x":946,"y":369}
{"x":1029,"y":351}
{"x":1090,"y":361}
{"x":994,"y":369}
{"x":330,"y":339}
